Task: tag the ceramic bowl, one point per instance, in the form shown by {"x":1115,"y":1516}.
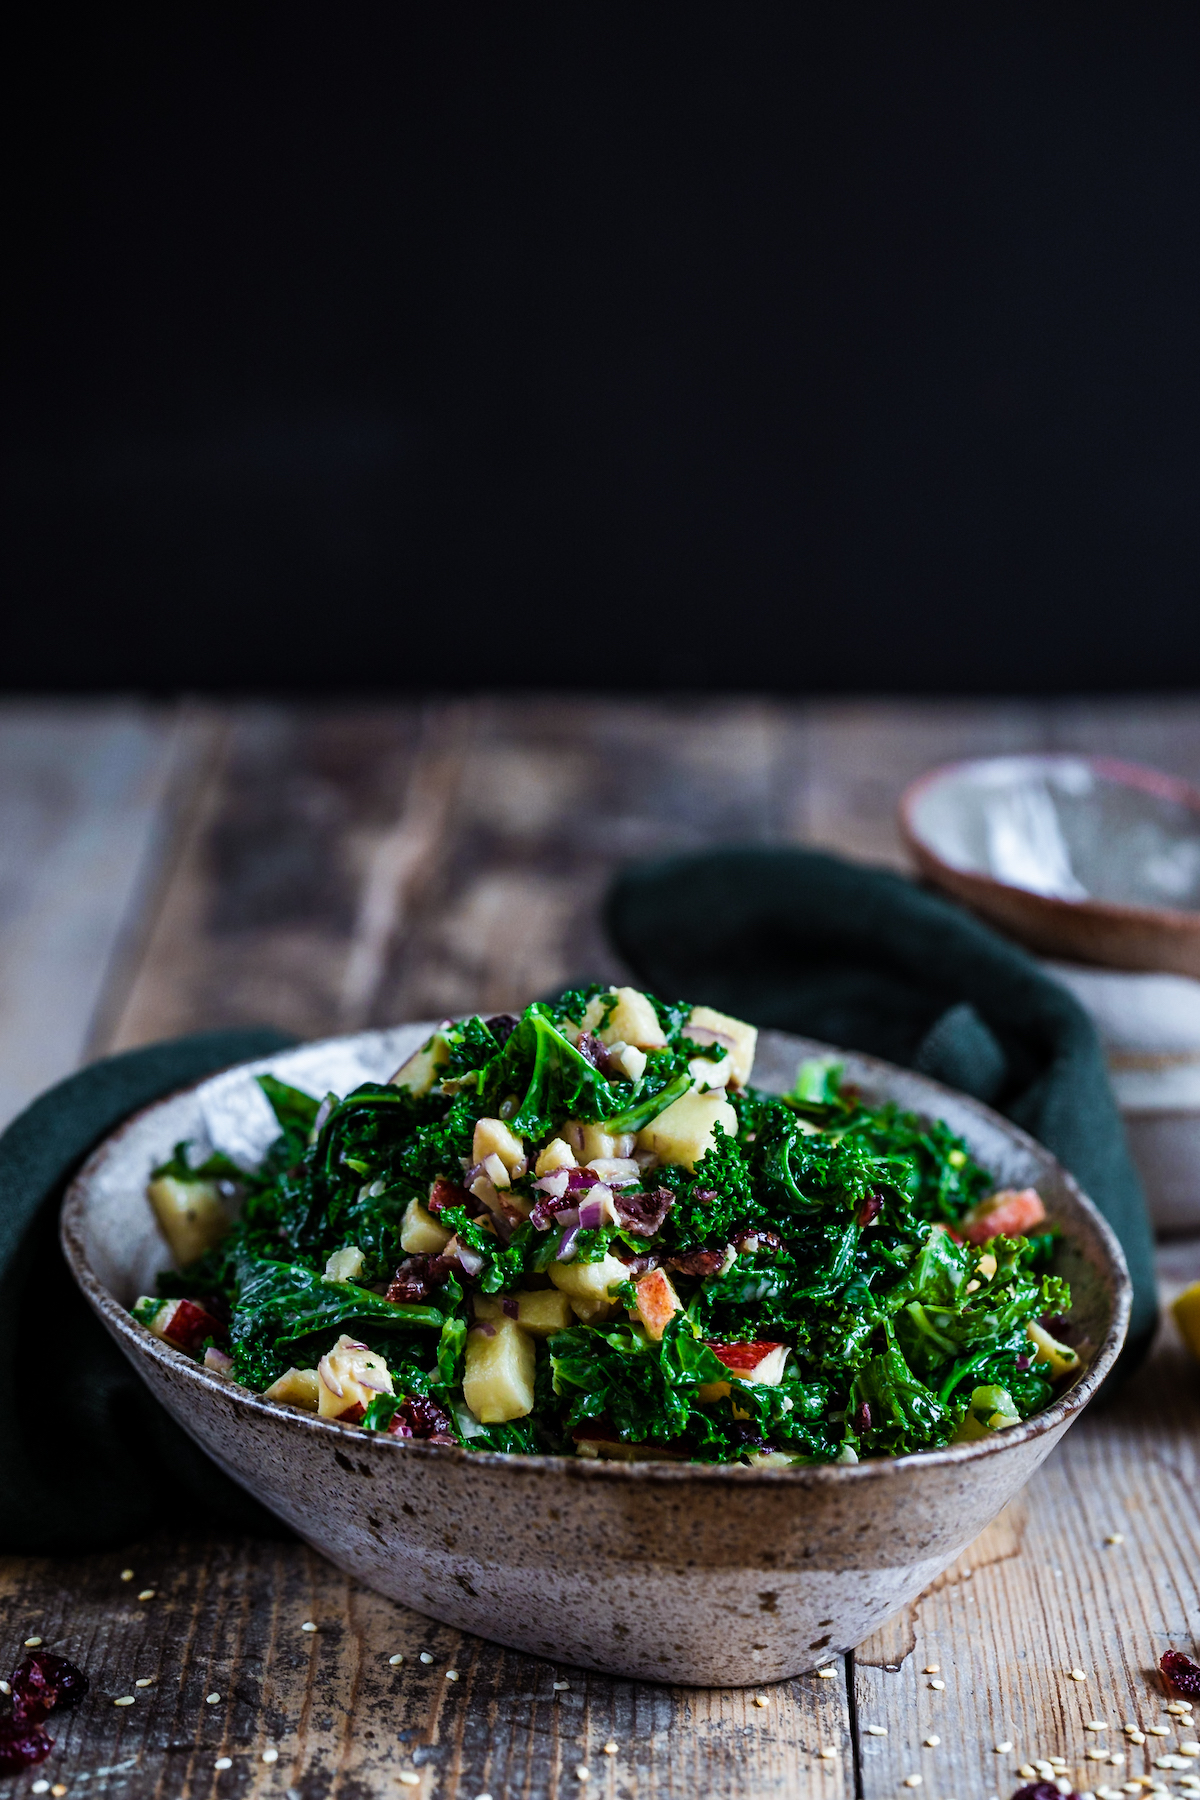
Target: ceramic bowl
{"x":673,"y":1571}
{"x":1080,"y":857}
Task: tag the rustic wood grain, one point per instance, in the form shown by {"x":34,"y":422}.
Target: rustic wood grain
{"x":327,"y":867}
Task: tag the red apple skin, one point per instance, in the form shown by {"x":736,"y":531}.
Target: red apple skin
{"x":1013,"y":1213}
{"x":189,"y":1325}
{"x":742,"y":1359}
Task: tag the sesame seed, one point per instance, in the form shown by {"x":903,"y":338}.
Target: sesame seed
{"x":829,"y":1753}
{"x":483,"y":1797}
{"x":223,"y":1762}
{"x":270,"y":1754}
{"x":212,"y":1699}
{"x":125,"y":1700}
{"x":1057,"y":1762}
{"x":1004,"y":1749}
{"x":4,"y":1688}
{"x":451,"y":1674}
{"x":1027,"y":1772}
{"x":913,"y":1780}
{"x":395,"y":1661}
{"x":59,"y":1789}
{"x":1159,"y":1730}
{"x":1131,"y":1787}
{"x":1134,"y":1735}
{"x":932,"y":1669}
{"x":611,"y":1748}
{"x":144,"y":1681}
{"x":829,"y":1673}
{"x":562,"y":1687}
{"x":1115,"y":1537}
{"x":41,"y":1787}
{"x":1096,"y":1753}
{"x":1063,"y":1785}
{"x":1077,"y":1675}
{"x":876,"y":1730}
{"x":582,"y":1772}
{"x":309,"y":1625}
{"x":937,"y":1686}
{"x":426,"y":1657}
{"x":1117,"y":1758}
{"x":931,"y":1743}
{"x":1191,"y":1748}
{"x":1097,"y":1725}
{"x":1177,"y":1706}
{"x":408,"y":1778}
{"x":146,"y":1594}
{"x":32,"y":1643}
{"x":126,"y":1574}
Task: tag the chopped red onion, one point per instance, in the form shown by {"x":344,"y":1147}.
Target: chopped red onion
{"x":555,"y":1183}
{"x":591,"y":1213}
{"x":330,"y":1379}
{"x":566,"y":1248}
{"x":469,"y":1260}
{"x":484,"y":1329}
{"x":510,"y":1308}
{"x":368,"y":1380}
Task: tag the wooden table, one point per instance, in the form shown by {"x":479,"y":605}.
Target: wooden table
{"x":164,"y":869}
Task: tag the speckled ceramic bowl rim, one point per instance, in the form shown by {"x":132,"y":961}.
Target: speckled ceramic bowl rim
{"x":1060,"y":1411}
{"x":1136,"y":775}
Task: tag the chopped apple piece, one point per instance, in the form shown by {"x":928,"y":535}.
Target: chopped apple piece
{"x":298,"y":1387}
{"x":500,"y":1363}
{"x":345,"y":1265}
{"x":685,"y":1131}
{"x":761,"y":1364}
{"x":632,"y":1020}
{"x":184,"y":1323}
{"x":1061,"y":1358}
{"x":493,"y":1138}
{"x":707,"y":1026}
{"x":629,"y":1059}
{"x":542,"y":1312}
{"x":991,"y":1409}
{"x":1012,"y":1213}
{"x":586,"y":1286}
{"x":420,"y":1233}
{"x":350,"y":1376}
{"x":657,"y":1302}
{"x":421,"y":1070}
{"x":590,"y":1141}
{"x":557,"y":1155}
{"x":192,"y":1215}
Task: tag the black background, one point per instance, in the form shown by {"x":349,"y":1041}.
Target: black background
{"x":835,"y":348}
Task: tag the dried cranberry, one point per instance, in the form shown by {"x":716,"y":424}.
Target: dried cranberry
{"x":749,"y":1239}
{"x":592,"y":1050}
{"x":420,"y":1417}
{"x":546,"y":1209}
{"x":41,"y":1681}
{"x":22,"y":1745}
{"x":444,"y":1193}
{"x":1059,"y":1327}
{"x":868,"y":1212}
{"x":643,"y":1214}
{"x":502,"y":1026}
{"x":416,"y":1279}
{"x":1041,"y":1790}
{"x":862,"y":1417}
{"x":510,"y":1308}
{"x":1182,"y":1673}
{"x":1022,"y":1363}
{"x":697,"y":1262}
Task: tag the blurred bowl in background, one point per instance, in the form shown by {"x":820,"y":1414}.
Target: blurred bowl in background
{"x":1092,"y":861}
{"x":1078,"y":857}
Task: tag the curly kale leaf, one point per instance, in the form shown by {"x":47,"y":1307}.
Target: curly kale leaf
{"x":280,"y":1304}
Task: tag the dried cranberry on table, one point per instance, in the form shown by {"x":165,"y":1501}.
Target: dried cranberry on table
{"x":41,"y":1681}
{"x":1042,"y":1790}
{"x":1182,"y":1673}
{"x":21,"y":1746}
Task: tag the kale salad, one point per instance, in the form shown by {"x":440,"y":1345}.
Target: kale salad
{"x":585,"y":1232}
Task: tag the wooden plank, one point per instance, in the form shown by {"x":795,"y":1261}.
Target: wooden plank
{"x":82,"y":792}
{"x":226,"y":1621}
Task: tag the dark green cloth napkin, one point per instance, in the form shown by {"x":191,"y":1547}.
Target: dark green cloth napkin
{"x":88,"y":1458}
{"x":858,"y":957}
